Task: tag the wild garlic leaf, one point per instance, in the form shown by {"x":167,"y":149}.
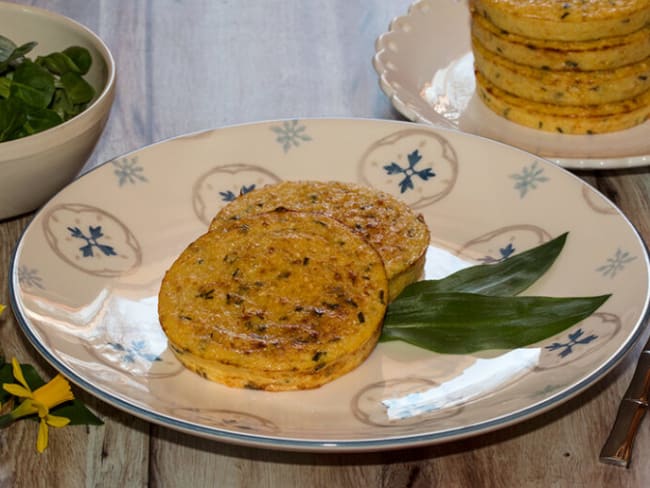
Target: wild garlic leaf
{"x":477,"y":308}
{"x":508,"y":277}
{"x":462,"y":323}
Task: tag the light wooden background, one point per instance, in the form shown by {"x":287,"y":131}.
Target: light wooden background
{"x":189,"y":65}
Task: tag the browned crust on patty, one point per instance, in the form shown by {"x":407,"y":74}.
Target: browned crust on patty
{"x":594,"y":119}
{"x":597,"y":54}
{"x":563,"y":87}
{"x":568,"y":20}
{"x":399,"y":234}
{"x":277,"y":301}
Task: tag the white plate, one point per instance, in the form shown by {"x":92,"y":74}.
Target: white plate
{"x":425,"y":65}
{"x":86,"y":272}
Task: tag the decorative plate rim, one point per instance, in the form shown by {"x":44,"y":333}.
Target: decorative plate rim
{"x":326,"y":445}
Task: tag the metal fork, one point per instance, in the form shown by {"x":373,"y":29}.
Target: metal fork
{"x":617,"y":449}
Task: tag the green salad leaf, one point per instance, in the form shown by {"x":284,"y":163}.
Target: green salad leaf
{"x":76,"y":88}
{"x":74,"y":59}
{"x":12,"y":119}
{"x":32,"y":84}
{"x":5,"y":87}
{"x":36,"y":95}
{"x":9,"y":52}
{"x":477,"y":308}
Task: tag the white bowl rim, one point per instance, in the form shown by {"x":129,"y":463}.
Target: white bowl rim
{"x":23,"y":147}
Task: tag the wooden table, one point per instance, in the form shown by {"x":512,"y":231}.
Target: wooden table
{"x":190,"y":65}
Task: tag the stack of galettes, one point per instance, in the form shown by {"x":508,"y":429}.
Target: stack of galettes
{"x":288,"y":288}
{"x":567,"y":66}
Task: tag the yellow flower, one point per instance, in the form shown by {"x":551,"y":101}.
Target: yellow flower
{"x":39,"y":401}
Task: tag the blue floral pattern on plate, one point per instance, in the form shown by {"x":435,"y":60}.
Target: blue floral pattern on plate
{"x":418,"y":166}
{"x":410,"y":172}
{"x":616,"y":264}
{"x":30,"y":278}
{"x":229,"y":195}
{"x":92,"y":241}
{"x":529,"y":178}
{"x":290,"y":134}
{"x":137,"y":349}
{"x":222,"y":184}
{"x":504,"y":253}
{"x":575,"y":339}
{"x":128,"y":170}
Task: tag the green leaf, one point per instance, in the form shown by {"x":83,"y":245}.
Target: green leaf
{"x":61,"y":104}
{"x":78,"y":413}
{"x":5,"y":420}
{"x":6,"y":376}
{"x":33,"y":85}
{"x":40,"y":120}
{"x":32,"y":377}
{"x":7,"y":47}
{"x":461,"y":323}
{"x":41,"y":94}
{"x":58,"y":63}
{"x":5,"y":87}
{"x":81,"y":58}
{"x":24,"y":49}
{"x":10,"y":53}
{"x":79,"y":91}
{"x":12,"y":119}
{"x":508,"y":277}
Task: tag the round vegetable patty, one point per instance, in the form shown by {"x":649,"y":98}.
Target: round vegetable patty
{"x":280,"y":300}
{"x":399,"y":234}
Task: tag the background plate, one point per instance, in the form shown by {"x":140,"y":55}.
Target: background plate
{"x":425,"y":66}
{"x":86,"y":272}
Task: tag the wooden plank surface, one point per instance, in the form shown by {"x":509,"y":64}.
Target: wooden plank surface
{"x":190,"y":65}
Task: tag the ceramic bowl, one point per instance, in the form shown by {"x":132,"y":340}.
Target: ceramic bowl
{"x":35,"y":167}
